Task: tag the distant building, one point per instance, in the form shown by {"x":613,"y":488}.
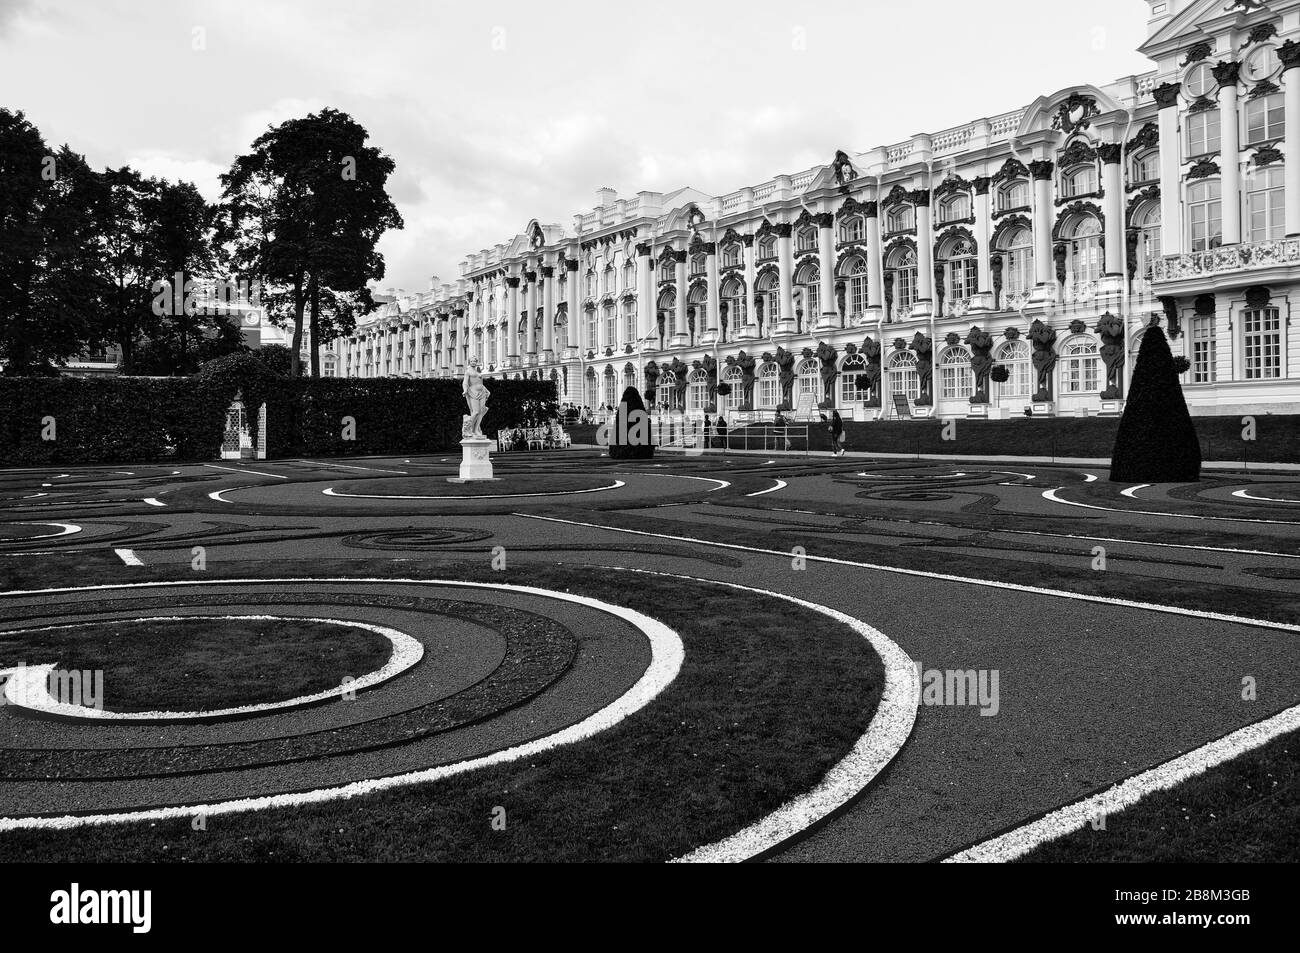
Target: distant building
{"x":1044,"y":240}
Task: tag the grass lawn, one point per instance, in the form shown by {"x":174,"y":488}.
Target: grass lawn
{"x":506,"y":482}
{"x":1247,"y":810}
{"x":202,"y":664}
{"x":768,"y":699}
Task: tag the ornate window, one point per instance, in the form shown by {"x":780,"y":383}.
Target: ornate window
{"x":902,"y":266}
{"x":1262,"y":343}
{"x":903,"y":376}
{"x":608,"y":284}
{"x":611,"y":326}
{"x":850,"y":368}
{"x":1081,"y":180}
{"x":1084,"y":244}
{"x":955,"y":208}
{"x":956,"y":380}
{"x":592,"y":329}
{"x":1205,"y":215}
{"x":1014,"y":356}
{"x":901,"y":219}
{"x":1203,"y":134}
{"x":1265,"y":119}
{"x":591,"y":284}
{"x":1014,"y":194}
{"x":1265,"y":213}
{"x":629,"y":322}
{"x":629,"y":377}
{"x":733,"y":293}
{"x":731,"y":255}
{"x":666,"y":393}
{"x":1080,"y":366}
{"x":766,"y":248}
{"x":769,"y":386}
{"x":1203,"y":350}
{"x":732,"y":377}
{"x":961,"y":282}
{"x":809,"y":279}
{"x":853,"y":229}
{"x":807,"y":239}
{"x":591,"y":390}
{"x":1018,"y":263}
{"x":1199,"y":81}
{"x":629,"y":276}
{"x":697,"y":264}
{"x":611,"y":388}
{"x":697,"y":391}
{"x":1147,"y":221}
{"x":1146,"y":167}
{"x":855,"y":272}
{"x":809,"y":380}
{"x":668,"y":271}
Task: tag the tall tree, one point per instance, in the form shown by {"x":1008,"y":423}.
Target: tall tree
{"x":46,"y":249}
{"x":303,"y":211}
{"x":123,"y":270}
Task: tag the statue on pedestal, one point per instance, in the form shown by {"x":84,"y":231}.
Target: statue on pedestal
{"x":476,"y":395}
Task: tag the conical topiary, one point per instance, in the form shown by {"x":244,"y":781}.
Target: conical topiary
{"x":629,"y":435}
{"x":1156,"y":442}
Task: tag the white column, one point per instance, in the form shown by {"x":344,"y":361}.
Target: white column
{"x":1043,"y":222}
{"x":1111,"y":182}
{"x":512,"y":320}
{"x":750,"y":328}
{"x":830,"y":313}
{"x":1289,"y":53}
{"x":1230,"y":158}
{"x":1171,"y":226}
{"x":645,"y":292}
{"x":924,"y":255}
{"x":708,"y":333}
{"x":576,"y":317}
{"x":875,"y":263}
{"x":680,"y":335}
{"x":983,"y":238}
{"x":785,"y":264}
{"x":548,"y":313}
{"x":502,"y":325}
{"x":530,"y":325}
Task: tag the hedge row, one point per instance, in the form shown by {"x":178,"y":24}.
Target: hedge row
{"x":126,"y":419}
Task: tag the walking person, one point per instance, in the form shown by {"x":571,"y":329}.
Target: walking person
{"x":837,"y":434}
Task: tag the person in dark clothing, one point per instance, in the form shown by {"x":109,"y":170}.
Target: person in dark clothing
{"x":722,"y":431}
{"x":837,"y":434}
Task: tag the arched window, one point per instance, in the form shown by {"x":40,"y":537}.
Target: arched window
{"x":732,"y":377}
{"x":1146,"y":167}
{"x":766,"y":248}
{"x":955,"y":208}
{"x":1264,"y":205}
{"x":854,"y":270}
{"x":902,"y":269}
{"x":1017,"y":266}
{"x":853,"y":229}
{"x":697,"y":391}
{"x":733,"y":293}
{"x":698,"y":299}
{"x":1080,"y":180}
{"x":1147,"y":221}
{"x":807,"y":240}
{"x":956,"y":380}
{"x":589,"y":320}
{"x":809,"y":279}
{"x":1014,"y":356}
{"x":1265,"y":119}
{"x":903,"y":376}
{"x":1205,"y":215}
{"x":809,"y":380}
{"x":697,"y":264}
{"x":1014,"y":195}
{"x":629,"y":321}
{"x":769,"y":386}
{"x":766,"y":287}
{"x":1083,"y":249}
{"x":667,"y":391}
{"x":900,"y":219}
{"x":611,"y":389}
{"x":591,"y":284}
{"x":629,"y":275}
{"x":608,"y":286}
{"x":731,"y":255}
{"x":629,"y":376}
{"x":668,"y":271}
{"x":961,"y":282}
{"x":850,"y":368}
{"x":591,"y":391}
{"x":1080,"y":365}
{"x":611,"y":326}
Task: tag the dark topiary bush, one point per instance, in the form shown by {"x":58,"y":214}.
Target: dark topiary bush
{"x":1156,"y":441}
{"x":629,"y":437}
{"x":1000,"y":374}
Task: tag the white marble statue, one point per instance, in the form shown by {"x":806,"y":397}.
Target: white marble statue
{"x":476,"y":395}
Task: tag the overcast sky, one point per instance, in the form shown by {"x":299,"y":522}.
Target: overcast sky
{"x":498,"y":112}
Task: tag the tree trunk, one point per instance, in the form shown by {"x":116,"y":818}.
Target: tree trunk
{"x":312,"y":338}
{"x":299,"y":303}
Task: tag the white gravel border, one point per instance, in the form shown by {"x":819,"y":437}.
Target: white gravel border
{"x":28,"y":687}
{"x":330,"y":491}
{"x":667,"y":654}
{"x":1072,"y":817}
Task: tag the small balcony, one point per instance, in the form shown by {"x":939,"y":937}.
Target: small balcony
{"x":1244,"y":257}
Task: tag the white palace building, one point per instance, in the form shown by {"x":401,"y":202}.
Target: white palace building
{"x":1035,"y":246}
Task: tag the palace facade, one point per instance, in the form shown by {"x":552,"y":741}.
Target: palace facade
{"x":1009,"y":264}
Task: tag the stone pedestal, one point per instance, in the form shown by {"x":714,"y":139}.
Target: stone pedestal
{"x":476,"y":460}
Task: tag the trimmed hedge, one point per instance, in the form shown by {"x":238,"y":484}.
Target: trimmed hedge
{"x":137,"y":419}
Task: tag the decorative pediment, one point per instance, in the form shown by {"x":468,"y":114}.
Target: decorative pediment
{"x":897,"y":196}
{"x":1148,"y":137}
{"x":852,"y":206}
{"x":1013,"y":168}
{"x":1006,"y":226}
{"x":805,"y":218}
{"x":952,"y":185}
{"x":1077,"y":152}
